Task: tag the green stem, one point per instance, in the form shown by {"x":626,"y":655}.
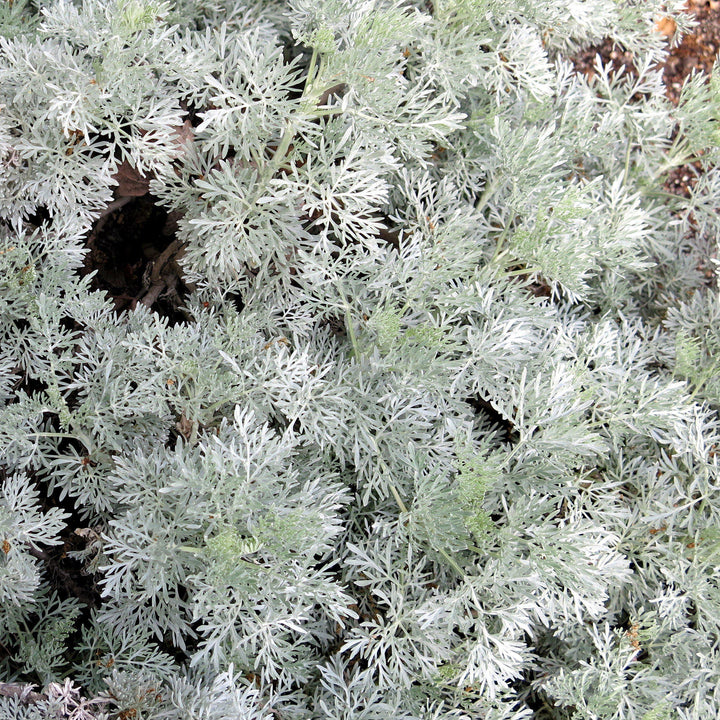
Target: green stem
{"x":452,"y":563}
{"x":654,"y":193}
{"x":522,"y":271}
{"x":282,"y":148}
{"x":81,"y":436}
{"x":677,"y":156}
{"x":325,"y":112}
{"x":351,"y":331}
{"x":501,"y":239}
{"x":447,"y":557}
{"x":674,"y":163}
{"x":290,"y":127}
{"x":309,"y":79}
{"x":626,"y":171}
{"x":488,"y":192}
{"x":702,"y":380}
{"x":349,"y":322}
{"x":398,"y":499}
{"x":189,"y":549}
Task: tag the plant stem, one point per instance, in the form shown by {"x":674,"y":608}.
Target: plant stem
{"x":488,"y":192}
{"x":290,"y":127}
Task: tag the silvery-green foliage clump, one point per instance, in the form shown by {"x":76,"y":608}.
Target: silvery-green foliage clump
{"x":435,"y":435}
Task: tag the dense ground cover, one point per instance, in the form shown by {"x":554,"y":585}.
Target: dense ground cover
{"x":359,"y":360}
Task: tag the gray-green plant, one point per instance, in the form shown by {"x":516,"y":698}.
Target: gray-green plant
{"x":437,"y":435}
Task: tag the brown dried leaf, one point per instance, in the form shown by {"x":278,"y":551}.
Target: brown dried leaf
{"x":184,"y":426}
{"x":89,"y":534}
{"x":184,"y":135}
{"x":130,"y":182}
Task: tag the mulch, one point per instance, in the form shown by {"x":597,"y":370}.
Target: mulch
{"x":695,"y":52}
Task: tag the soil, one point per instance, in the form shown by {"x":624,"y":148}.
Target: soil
{"x":696,"y":52}
{"x":134,"y":254}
